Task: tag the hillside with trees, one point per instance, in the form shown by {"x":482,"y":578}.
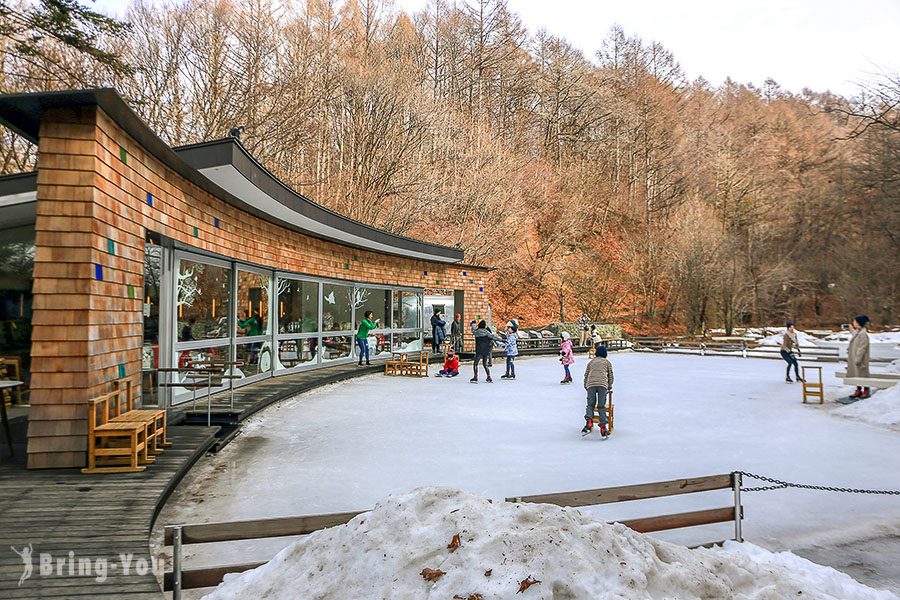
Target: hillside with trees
{"x":606,"y":184}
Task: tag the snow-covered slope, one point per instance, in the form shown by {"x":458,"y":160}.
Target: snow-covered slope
{"x":805,"y":340}
{"x":388,"y":552}
{"x":883,"y":408}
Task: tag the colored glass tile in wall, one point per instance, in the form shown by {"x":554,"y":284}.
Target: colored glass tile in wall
{"x":426,"y":273}
{"x":196,"y":232}
{"x":216,"y":222}
{"x":111,"y":246}
{"x":131,"y":292}
{"x":123,"y":156}
{"x":437,"y":281}
{"x":98,"y":272}
{"x":149,"y":199}
{"x":464,"y":273}
{"x":121,"y":371}
{"x":481,"y":289}
{"x":346,"y":265}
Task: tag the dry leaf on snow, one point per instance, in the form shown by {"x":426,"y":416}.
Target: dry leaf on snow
{"x":431,"y":574}
{"x":454,"y":543}
{"x":488,"y":572}
{"x":527,"y":583}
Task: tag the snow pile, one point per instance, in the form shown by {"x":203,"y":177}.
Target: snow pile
{"x":883,"y":408}
{"x":887,"y":337}
{"x":444,"y":543}
{"x":805,"y":340}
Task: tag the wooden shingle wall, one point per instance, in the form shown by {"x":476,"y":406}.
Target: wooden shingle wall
{"x":92,"y":215}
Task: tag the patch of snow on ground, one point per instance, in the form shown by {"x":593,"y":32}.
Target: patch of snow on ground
{"x":883,"y":408}
{"x":383,"y":554}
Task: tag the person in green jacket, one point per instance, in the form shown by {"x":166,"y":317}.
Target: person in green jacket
{"x":362,"y":335}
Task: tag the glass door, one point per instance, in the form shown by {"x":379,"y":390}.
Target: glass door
{"x":253,"y":325}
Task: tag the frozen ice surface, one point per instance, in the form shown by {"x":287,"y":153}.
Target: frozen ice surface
{"x":565,"y":553}
{"x":349,"y":445}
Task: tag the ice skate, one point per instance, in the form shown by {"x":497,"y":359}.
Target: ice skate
{"x":788,"y":379}
{"x":588,"y":426}
{"x":473,"y":380}
{"x":604,"y":431}
{"x":489,"y":380}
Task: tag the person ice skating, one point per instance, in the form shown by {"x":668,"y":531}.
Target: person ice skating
{"x":511,"y":345}
{"x":566,"y":356}
{"x":484,"y":343}
{"x":362,"y":335}
{"x":456,"y":333}
{"x":451,"y":365}
{"x":788,"y":343}
{"x":598,"y":382}
{"x":584,"y":331}
{"x":858,"y":354}
{"x":596,"y":339}
{"x":437,"y":330}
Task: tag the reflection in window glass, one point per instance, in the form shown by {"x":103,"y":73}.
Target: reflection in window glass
{"x":16,"y":275}
{"x":293,"y":353}
{"x":336,"y":347}
{"x":407,"y":342}
{"x":336,"y":307}
{"x":195,"y":384}
{"x":256,"y":358}
{"x":202,"y":296}
{"x":253,"y":303}
{"x":298,"y":306}
{"x":406,"y":310}
{"x":376,"y":300}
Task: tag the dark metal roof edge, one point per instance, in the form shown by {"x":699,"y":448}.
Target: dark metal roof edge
{"x":18,"y":183}
{"x":21,"y":113}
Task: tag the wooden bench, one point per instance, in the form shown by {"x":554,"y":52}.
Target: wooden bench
{"x":881,"y":381}
{"x":154,"y":417}
{"x":112,"y":442}
{"x":609,"y":413}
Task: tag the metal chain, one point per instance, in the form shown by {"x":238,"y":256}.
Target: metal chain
{"x":780,"y":485}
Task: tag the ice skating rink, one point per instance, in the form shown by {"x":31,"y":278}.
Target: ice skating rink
{"x":348,"y":445}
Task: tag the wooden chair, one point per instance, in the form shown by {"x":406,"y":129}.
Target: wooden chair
{"x":812,"y":389}
{"x":112,"y":442}
{"x":417,"y":368}
{"x":11,"y":368}
{"x":154,"y":417}
{"x":396,"y":363}
{"x":610,"y":413}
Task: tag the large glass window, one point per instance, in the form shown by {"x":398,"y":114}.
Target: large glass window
{"x":16,"y":274}
{"x":337,"y":310}
{"x":336,"y":347}
{"x":202,"y":297}
{"x":407,"y":307}
{"x":254,"y":358}
{"x":376,"y":300}
{"x":297,"y":352}
{"x":298,"y":306}
{"x":407,"y":341}
{"x":253,"y":303}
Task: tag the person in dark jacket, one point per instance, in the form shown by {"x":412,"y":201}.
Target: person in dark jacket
{"x":484,"y":343}
{"x":437,"y":331}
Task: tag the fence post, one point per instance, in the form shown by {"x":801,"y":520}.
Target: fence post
{"x":738,"y":511}
{"x":744,"y":349}
{"x":176,"y":562}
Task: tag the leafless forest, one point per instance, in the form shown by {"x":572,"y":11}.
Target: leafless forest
{"x":607,"y":184}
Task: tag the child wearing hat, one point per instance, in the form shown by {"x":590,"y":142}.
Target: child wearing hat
{"x":451,"y":365}
{"x":511,"y":345}
{"x":598,"y":381}
{"x":566,"y":356}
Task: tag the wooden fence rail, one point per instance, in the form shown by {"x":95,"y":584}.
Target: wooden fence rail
{"x":179,"y":535}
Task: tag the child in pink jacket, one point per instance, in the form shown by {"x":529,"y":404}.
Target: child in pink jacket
{"x":566,"y":356}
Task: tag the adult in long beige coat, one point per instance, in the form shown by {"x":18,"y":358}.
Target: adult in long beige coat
{"x":858,"y":354}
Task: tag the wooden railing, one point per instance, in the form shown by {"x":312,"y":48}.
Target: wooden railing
{"x":177,"y":536}
{"x":742,"y":348}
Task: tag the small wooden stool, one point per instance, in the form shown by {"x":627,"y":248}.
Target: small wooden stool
{"x":610,"y":412}
{"x":812,"y":389}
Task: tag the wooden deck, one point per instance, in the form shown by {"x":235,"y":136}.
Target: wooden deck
{"x":95,"y":516}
